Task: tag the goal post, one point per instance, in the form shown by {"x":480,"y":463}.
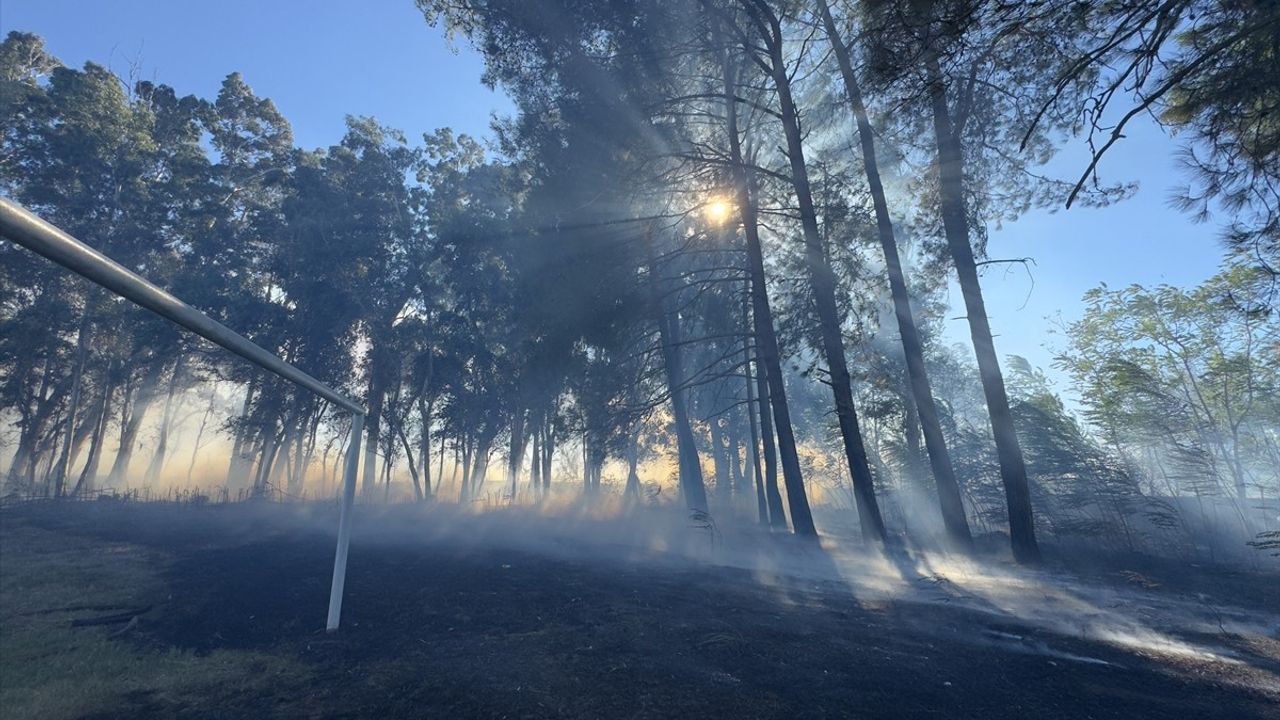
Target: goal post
{"x":25,"y":228}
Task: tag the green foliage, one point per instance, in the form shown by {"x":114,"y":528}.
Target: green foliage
{"x":1186,"y":381}
{"x":513,"y":294}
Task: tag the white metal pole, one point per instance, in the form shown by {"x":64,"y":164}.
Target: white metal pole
{"x":23,"y":227}
{"x":344,"y":522}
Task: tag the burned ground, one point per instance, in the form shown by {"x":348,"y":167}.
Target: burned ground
{"x":453,"y":629}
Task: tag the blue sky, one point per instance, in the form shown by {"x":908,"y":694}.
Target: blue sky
{"x":1139,"y":240}
{"x":320,"y":61}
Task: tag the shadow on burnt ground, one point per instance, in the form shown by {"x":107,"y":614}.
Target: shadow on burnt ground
{"x":488,"y":632}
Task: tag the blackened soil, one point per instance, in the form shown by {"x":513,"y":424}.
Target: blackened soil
{"x":454,"y":632}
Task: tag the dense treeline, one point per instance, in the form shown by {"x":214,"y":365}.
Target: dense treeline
{"x":711,"y":242}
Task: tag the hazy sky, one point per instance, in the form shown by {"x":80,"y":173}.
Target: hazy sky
{"x":321,"y":60}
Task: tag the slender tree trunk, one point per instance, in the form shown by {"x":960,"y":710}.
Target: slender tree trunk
{"x":535,"y":464}
{"x":481,"y":470}
{"x":265,"y":464}
{"x":73,"y":405}
{"x":84,"y":430}
{"x":282,"y":467}
{"x":373,"y":424}
{"x":166,"y":424}
{"x":413,"y":468}
{"x":386,"y":477}
{"x":753,"y":424}
{"x":45,"y":452}
{"x":733,"y":434}
{"x":516,"y":451}
{"x":771,"y":392}
{"x":200,"y":433}
{"x":692,"y":489}
{"x":307,"y":451}
{"x":425,"y":411}
{"x":767,"y":354}
{"x":720,"y":459}
{"x":953,"y":514}
{"x":237,"y":467}
{"x":89,"y":474}
{"x":1013,"y":470}
{"x":632,"y":492}
{"x":464,"y":490}
{"x":22,"y":459}
{"x":593,"y":458}
{"x":548,"y":447}
{"x":22,"y":471}
{"x":823,"y":285}
{"x":134,"y":415}
{"x":324,"y":469}
{"x":440,"y":475}
{"x":914,"y":463}
{"x":25,"y":365}
{"x":298,"y":439}
{"x":461,"y":469}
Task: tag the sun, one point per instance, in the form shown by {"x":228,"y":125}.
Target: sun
{"x":717,"y":210}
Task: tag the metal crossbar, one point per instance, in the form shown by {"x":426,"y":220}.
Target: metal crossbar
{"x":27,"y":229}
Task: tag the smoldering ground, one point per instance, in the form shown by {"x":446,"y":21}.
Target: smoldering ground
{"x":575,"y":610}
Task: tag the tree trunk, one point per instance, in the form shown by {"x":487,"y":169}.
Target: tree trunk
{"x":516,"y":451}
{"x":822,"y":283}
{"x":460,"y":460}
{"x":425,"y":411}
{"x":913,"y":462}
{"x":692,"y":489}
{"x":464,"y":488}
{"x":548,"y":447}
{"x":413,"y":467}
{"x":373,"y":425}
{"x":204,"y":423}
{"x":387,"y":465}
{"x":132,"y":422}
{"x":89,"y":474}
{"x":307,"y":448}
{"x":73,"y":405}
{"x":22,"y":472}
{"x":720,"y":459}
{"x":440,"y":474}
{"x":733,"y":434}
{"x":25,"y":364}
{"x":265,"y":464}
{"x":753,"y":424}
{"x":535,"y":464}
{"x":632,"y":492}
{"x":481,"y":470}
{"x":955,"y":222}
{"x":22,"y":459}
{"x":767,"y":353}
{"x":953,"y":514}
{"x":771,"y":392}
{"x":166,"y":423}
{"x":236,"y":468}
{"x":281,"y":467}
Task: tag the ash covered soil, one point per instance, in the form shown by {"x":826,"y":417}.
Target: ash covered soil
{"x":447,"y":617}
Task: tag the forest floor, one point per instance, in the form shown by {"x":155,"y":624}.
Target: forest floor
{"x":217,"y":612}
